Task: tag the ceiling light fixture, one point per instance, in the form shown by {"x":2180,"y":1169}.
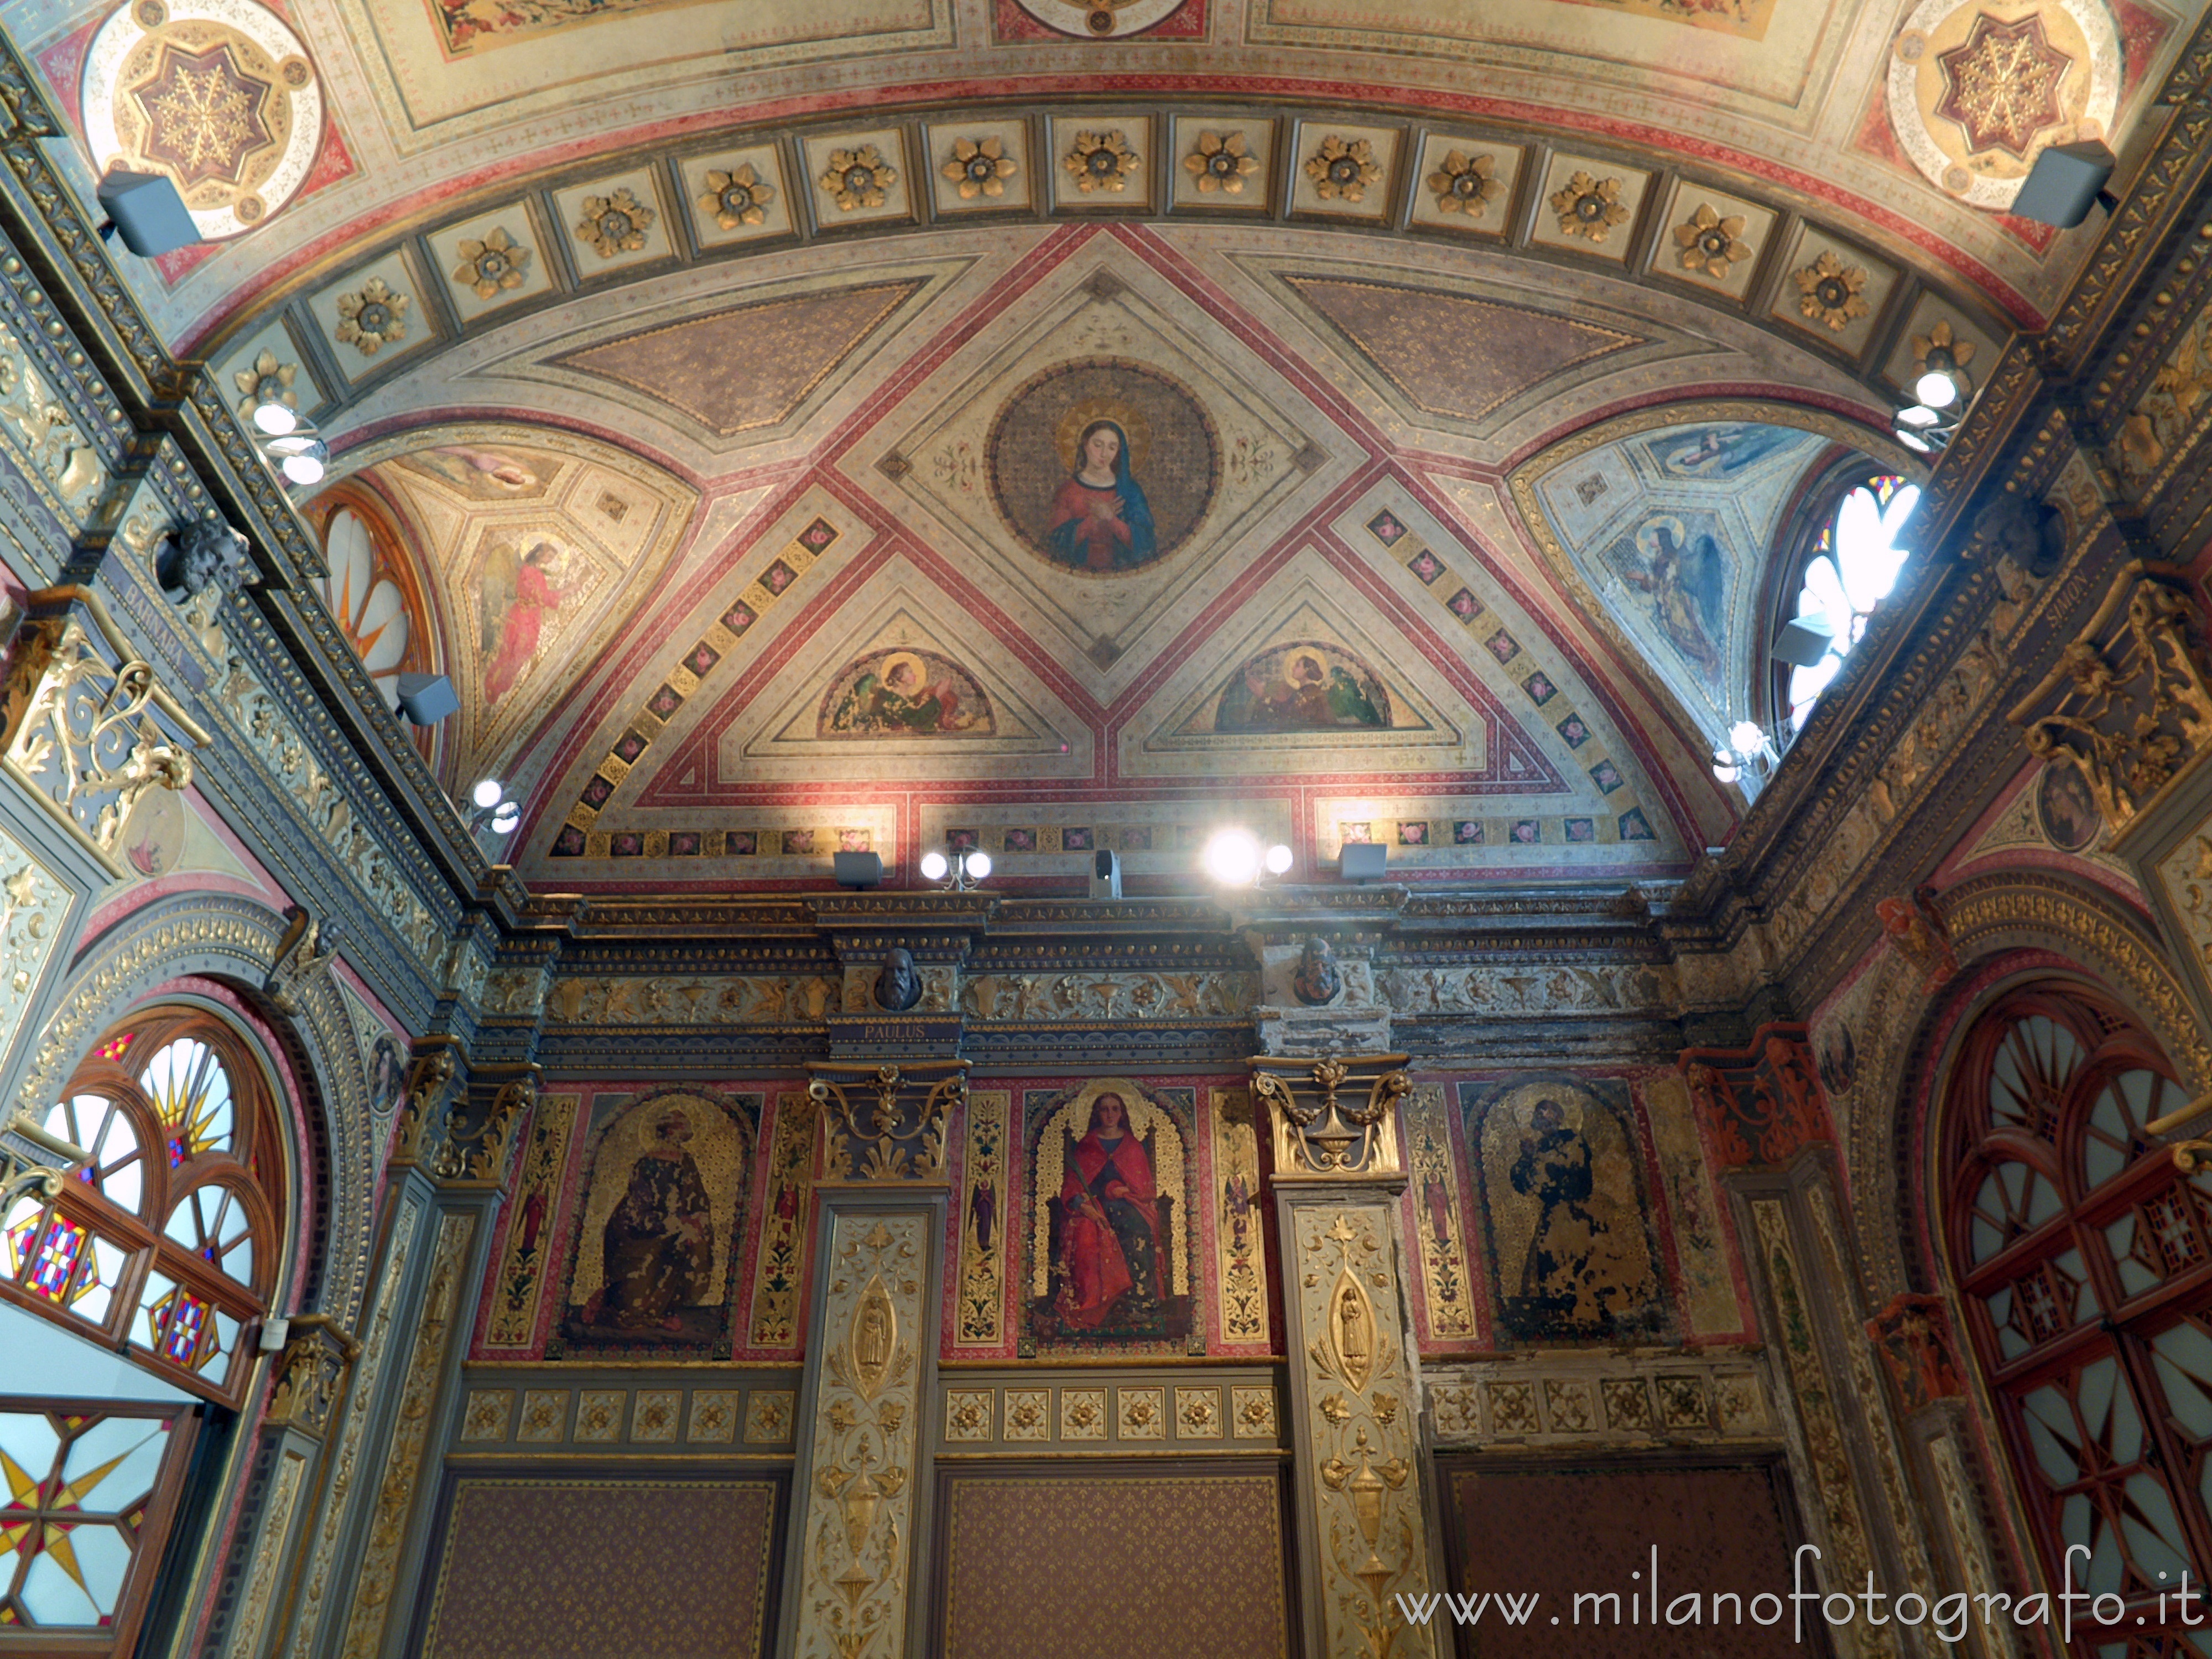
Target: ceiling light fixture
{"x":1927,"y":428}
{"x":296,"y":450}
{"x":1235,"y":858}
{"x":1746,"y":757}
{"x":1942,"y":382}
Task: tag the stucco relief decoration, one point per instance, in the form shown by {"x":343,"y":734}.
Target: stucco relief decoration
{"x":858,"y":178}
{"x":860,"y":1497}
{"x":218,"y":94}
{"x":488,"y":266}
{"x":614,"y":223}
{"x":1466,"y":183}
{"x":32,"y":903}
{"x":372,"y":316}
{"x":1361,"y":1430}
{"x":1221,"y":162}
{"x":1343,"y":169}
{"x":2157,"y":430}
{"x":1978,"y":87}
{"x":2131,"y":703}
{"x":268,"y":380}
{"x":1590,"y":207}
{"x":1103,"y":20}
{"x":1830,"y":292}
{"x":1759,"y":1107}
{"x":898,"y":1136}
{"x":1711,"y":241}
{"x":1101,"y":160}
{"x":1941,"y":337}
{"x":979,"y":167}
{"x":738,"y":198}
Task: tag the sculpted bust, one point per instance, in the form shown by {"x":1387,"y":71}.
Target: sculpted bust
{"x":898,"y":987}
{"x":206,"y":553}
{"x":1318,"y":979}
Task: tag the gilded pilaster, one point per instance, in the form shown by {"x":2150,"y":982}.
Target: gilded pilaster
{"x":1363,"y":1511}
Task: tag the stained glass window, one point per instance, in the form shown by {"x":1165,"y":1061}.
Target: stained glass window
{"x":2084,"y":1259}
{"x":89,"y":1497}
{"x":169,"y":1255}
{"x":1854,"y":565}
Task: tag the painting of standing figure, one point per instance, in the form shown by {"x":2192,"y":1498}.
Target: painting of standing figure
{"x":652,"y":1261}
{"x":1110,"y":1261}
{"x":1571,"y":1247}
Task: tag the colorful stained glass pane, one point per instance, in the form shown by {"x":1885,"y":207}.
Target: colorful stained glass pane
{"x":20,"y":1233}
{"x":191,"y":1091}
{"x":54,"y":1258}
{"x":77,"y":1488}
{"x":115,"y":1048}
{"x":102,"y":1127}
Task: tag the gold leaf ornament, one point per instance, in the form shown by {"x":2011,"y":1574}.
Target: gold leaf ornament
{"x":1828,"y":292}
{"x":980,"y":167}
{"x":1711,"y":243}
{"x":1590,"y":207}
{"x":1343,"y":168}
{"x":1941,"y":337}
{"x":1221,"y":162}
{"x":736,"y":197}
{"x":1101,"y":160}
{"x":614,"y":224}
{"x":1464,"y":184}
{"x":266,"y":381}
{"x":857,"y":178}
{"x":373,"y":318}
{"x":491,"y":264}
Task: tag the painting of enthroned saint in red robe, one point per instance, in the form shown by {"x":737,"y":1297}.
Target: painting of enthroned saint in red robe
{"x":1110,"y":1173}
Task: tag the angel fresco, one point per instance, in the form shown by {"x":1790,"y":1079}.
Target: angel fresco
{"x":1100,"y":520}
{"x":1686,"y":578}
{"x":514,"y":592}
{"x":1304,"y":688}
{"x":1720,"y":452}
{"x":904,"y":694}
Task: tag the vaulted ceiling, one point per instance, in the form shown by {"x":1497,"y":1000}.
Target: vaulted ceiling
{"x":715,"y":380}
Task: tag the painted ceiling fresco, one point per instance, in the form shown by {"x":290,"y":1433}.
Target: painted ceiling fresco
{"x":1053,"y":427}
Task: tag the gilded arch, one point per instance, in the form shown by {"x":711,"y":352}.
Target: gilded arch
{"x":236,"y":941}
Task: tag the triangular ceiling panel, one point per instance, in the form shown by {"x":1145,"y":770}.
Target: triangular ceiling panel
{"x":1424,"y":342}
{"x":747,"y":367}
{"x":900,"y":683}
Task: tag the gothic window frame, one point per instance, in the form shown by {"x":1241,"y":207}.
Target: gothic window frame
{"x":182,"y":1304}
{"x":1815,"y":526}
{"x":2075,"y":1298}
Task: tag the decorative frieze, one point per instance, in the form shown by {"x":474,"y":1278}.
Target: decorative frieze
{"x":1092,"y":1413}
{"x":518,"y":1416}
{"x":318,"y":1352}
{"x":1110,"y":996}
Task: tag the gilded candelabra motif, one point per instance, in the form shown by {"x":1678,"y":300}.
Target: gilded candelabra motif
{"x":1320,"y":1133}
{"x":859,"y":1495}
{"x":901,"y":1135}
{"x":1361,"y":1430}
{"x":81,"y":731}
{"x":2132,"y":705}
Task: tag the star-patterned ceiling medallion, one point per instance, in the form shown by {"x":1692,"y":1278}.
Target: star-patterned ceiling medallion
{"x":218,"y":94}
{"x":1978,"y":87}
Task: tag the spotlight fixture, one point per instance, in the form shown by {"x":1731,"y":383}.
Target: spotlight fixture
{"x":1942,"y":382}
{"x":1745,"y":756}
{"x":1235,"y":858}
{"x":300,"y":454}
{"x":1926,"y":429}
{"x":487,"y":793}
{"x":278,"y":420}
{"x":491,"y":809}
{"x":962,"y":871}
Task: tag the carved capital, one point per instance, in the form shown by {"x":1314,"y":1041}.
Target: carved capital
{"x":428,"y":1080}
{"x":1760,"y":1104}
{"x":476,"y":1152}
{"x":2127,"y":704}
{"x":317,"y":1353}
{"x":885,"y":1124}
{"x":305,"y":950}
{"x":1334,"y":1118}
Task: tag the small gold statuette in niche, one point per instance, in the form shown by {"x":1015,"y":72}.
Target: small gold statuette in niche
{"x":980,"y":167}
{"x":1351,"y":1330}
{"x":874,"y":1338}
{"x":1222,"y":162}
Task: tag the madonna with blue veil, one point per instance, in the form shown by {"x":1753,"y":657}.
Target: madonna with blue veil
{"x":1100,"y":520}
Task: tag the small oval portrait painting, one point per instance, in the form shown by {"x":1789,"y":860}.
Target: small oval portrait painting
{"x":1103,"y":466}
{"x":1305,"y":687}
{"x":905,"y":694}
{"x":2066,"y":809}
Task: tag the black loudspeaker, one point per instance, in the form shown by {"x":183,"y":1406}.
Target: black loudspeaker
{"x":858,"y":869}
{"x":426,"y":699}
{"x":2066,"y":181}
{"x":147,"y":212}
{"x":1105,"y":874}
{"x":1363,"y":860}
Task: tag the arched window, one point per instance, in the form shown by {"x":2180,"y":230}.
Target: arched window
{"x":2084,"y":1259}
{"x":167,"y":1238}
{"x":371,"y":590}
{"x":1853,"y":563}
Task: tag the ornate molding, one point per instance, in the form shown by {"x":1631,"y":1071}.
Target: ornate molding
{"x":308,"y":947}
{"x":2128,"y":705}
{"x":1537,"y":1401}
{"x":477,"y":1155}
{"x":1320,"y":1134}
{"x":318,"y":1352}
{"x":899,"y":1138}
{"x":430,"y":1075}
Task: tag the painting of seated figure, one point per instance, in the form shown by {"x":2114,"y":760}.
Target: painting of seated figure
{"x":1304,"y":687}
{"x":905,"y":694}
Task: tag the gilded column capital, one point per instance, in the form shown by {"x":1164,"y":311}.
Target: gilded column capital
{"x":1336,"y":1118}
{"x":480,"y":1137}
{"x":317,"y":1353}
{"x":430,"y":1076}
{"x":895,"y":1138}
